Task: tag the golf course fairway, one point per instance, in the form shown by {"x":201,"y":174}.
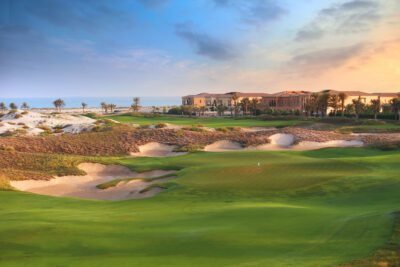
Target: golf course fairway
{"x":310,"y":208}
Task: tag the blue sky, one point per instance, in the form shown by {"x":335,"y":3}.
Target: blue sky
{"x":174,"y":47}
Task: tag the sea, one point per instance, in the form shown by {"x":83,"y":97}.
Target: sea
{"x":76,"y":102}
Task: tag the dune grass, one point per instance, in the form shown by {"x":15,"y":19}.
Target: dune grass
{"x":311,"y":208}
{"x":206,"y":122}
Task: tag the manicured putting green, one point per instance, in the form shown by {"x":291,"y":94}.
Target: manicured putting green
{"x":207,"y":122}
{"x":313,"y":208}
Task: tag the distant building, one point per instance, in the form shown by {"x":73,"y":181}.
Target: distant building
{"x":286,"y":100}
{"x":213,"y":100}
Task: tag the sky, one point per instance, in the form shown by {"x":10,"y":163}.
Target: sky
{"x":52,"y":48}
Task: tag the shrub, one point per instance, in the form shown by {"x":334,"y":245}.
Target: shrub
{"x":7,"y":148}
{"x":58,"y":131}
{"x":194,"y":129}
{"x":189,"y":148}
{"x":161,"y":125}
{"x":25,"y":127}
{"x":91,"y":115}
{"x":144,"y":126}
{"x":98,"y":128}
{"x":20,"y":131}
{"x":17,"y":116}
{"x":24,"y":112}
{"x":223,"y":129}
{"x":20,"y":123}
{"x":12,"y":111}
{"x":11,"y":123}
{"x":8,"y":134}
{"x":5,"y":183}
{"x":44,"y":128}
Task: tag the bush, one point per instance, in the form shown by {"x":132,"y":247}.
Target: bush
{"x":20,"y":123}
{"x":7,"y":148}
{"x":58,"y":131}
{"x":24,"y":112}
{"x":8,"y":134}
{"x":44,"y":128}
{"x":189,"y":148}
{"x":222,"y":129}
{"x":91,"y":115}
{"x":17,"y":116}
{"x":160,"y":125}
{"x":20,"y":131}
{"x":194,"y":129}
{"x":11,"y":123}
{"x":25,"y":127}
{"x":98,"y":128}
{"x":12,"y":111}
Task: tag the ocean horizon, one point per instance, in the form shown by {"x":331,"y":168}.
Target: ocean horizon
{"x":92,"y":102}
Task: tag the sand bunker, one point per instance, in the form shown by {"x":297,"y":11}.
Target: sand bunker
{"x":306,"y":145}
{"x":281,"y":142}
{"x":155,"y":149}
{"x":85,"y":186}
{"x":224,"y":145}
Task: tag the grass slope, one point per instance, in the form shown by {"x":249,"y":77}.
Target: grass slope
{"x":207,"y":122}
{"x":313,"y":208}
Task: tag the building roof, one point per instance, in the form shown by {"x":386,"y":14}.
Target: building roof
{"x":239,"y":94}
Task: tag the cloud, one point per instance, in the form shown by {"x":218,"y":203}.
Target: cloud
{"x":90,"y":16}
{"x":256,"y":11}
{"x":317,"y":62}
{"x":205,"y":44}
{"x":347,"y":18}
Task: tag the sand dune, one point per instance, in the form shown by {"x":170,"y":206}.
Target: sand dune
{"x":85,"y":186}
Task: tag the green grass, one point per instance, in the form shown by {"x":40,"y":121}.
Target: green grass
{"x":312,"y":208}
{"x":378,"y":128}
{"x":207,"y":122}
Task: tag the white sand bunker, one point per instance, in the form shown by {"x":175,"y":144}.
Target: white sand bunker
{"x":307,"y":145}
{"x":155,"y":149}
{"x":281,"y":142}
{"x":85,"y":186}
{"x":224,"y":145}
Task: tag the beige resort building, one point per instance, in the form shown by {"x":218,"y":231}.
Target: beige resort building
{"x":286,"y":100}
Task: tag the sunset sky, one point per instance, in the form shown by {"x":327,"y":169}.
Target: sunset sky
{"x":175,"y":47}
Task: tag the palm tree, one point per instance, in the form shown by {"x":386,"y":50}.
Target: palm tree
{"x":84,"y":105}
{"x":395,"y":104}
{"x":221,"y":109}
{"x":3,"y":107}
{"x":13,"y":106}
{"x":235,"y":98}
{"x":25,"y":106}
{"x":334,"y":103}
{"x":112,"y":107}
{"x":323,"y":103}
{"x":376,"y":106}
{"x":342,"y":98}
{"x":104,"y":106}
{"x":245,"y":103}
{"x":358,"y":107}
{"x":58,"y":104}
{"x":254,"y":104}
{"x":135,"y":106}
{"x":202,"y":110}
